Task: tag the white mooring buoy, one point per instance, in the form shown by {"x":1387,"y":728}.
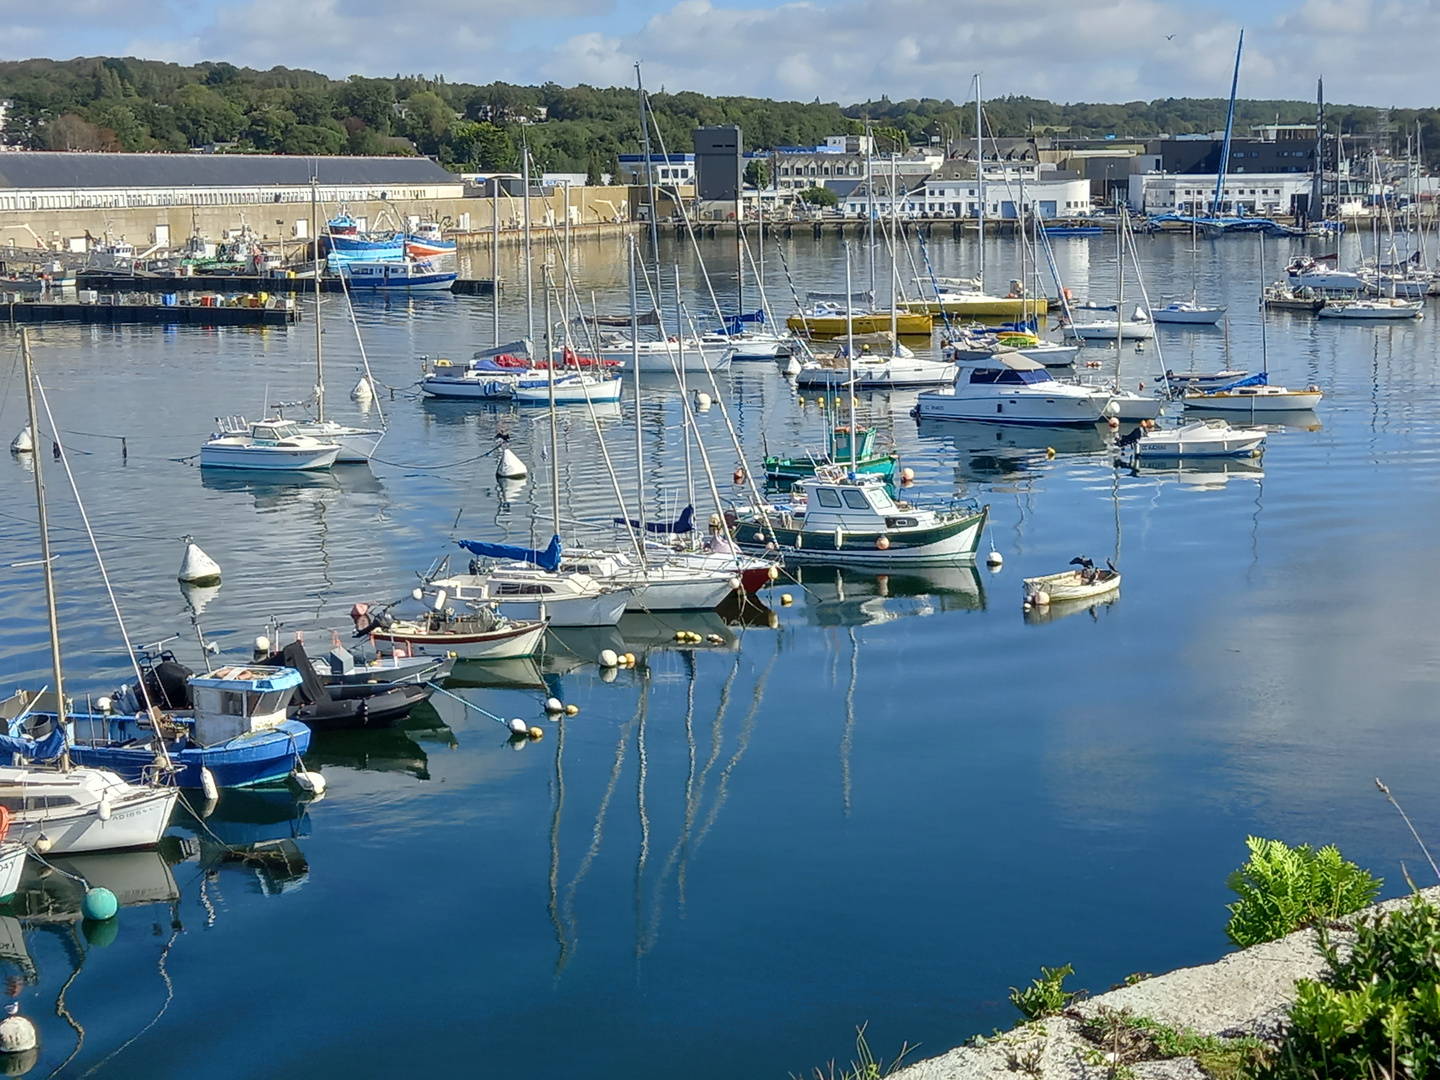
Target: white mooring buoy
{"x":24,"y":443}
{"x":363,"y":390}
{"x":994,"y":560}
{"x":509,"y":466}
{"x":17,"y":1034}
{"x":197,"y":568}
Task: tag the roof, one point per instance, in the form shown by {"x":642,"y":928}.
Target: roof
{"x":1012,"y":360}
{"x":47,"y":169}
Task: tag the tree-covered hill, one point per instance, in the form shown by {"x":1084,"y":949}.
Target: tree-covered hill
{"x":127,"y":104}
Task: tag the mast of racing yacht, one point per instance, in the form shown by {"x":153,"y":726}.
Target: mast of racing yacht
{"x":894,"y":261}
{"x":850,"y":351}
{"x":554,"y":433}
{"x":529,"y":276}
{"x":315,"y":232}
{"x":685,"y":426}
{"x":43,"y":522}
{"x":495,"y":261}
{"x":650,"y":195}
{"x":1120,"y":295}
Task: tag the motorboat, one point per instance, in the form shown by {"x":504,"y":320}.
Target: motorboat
{"x":397,"y":274}
{"x":1086,"y":582}
{"x":426,"y":240}
{"x":266,"y":445}
{"x":1010,"y":389}
{"x":839,"y":518}
{"x":341,"y":668}
{"x":482,"y":633}
{"x":1139,"y":328}
{"x":1187,"y":313}
{"x":1385,"y":307}
{"x":346,"y":706}
{"x":527,"y":585}
{"x":1281,"y":297}
{"x":83,"y":809}
{"x":1196,"y":438}
{"x":1322,"y":275}
{"x":869,"y":458}
{"x":233,"y":722}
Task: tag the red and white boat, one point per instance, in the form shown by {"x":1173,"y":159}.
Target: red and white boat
{"x":426,"y":241}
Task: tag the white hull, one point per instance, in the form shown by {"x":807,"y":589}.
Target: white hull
{"x":961,"y":545}
{"x":1105,"y":331}
{"x":357,"y":445}
{"x":1071,"y":585}
{"x":655,"y":359}
{"x":1328,"y":281}
{"x":678,"y":589}
{"x":898,"y":373}
{"x":1039,"y":409}
{"x":1406,"y":288}
{"x":568,"y":393}
{"x":136,"y":822}
{"x":267,"y":458}
{"x":602,"y":610}
{"x":1372,"y":310}
{"x":12,"y":866}
{"x":1188,"y":316}
{"x":1131,"y":406}
{"x":1199,"y":440}
{"x":498,"y":647}
{"x":491,"y":388}
{"x":1286,"y":401}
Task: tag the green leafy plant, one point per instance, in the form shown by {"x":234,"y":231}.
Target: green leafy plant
{"x":866,"y":1066}
{"x":1046,"y":995}
{"x":1378,"y":1012}
{"x":1282,"y":889}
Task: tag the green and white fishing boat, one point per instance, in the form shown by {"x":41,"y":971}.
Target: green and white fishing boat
{"x":841,"y":517}
{"x":868,"y":458}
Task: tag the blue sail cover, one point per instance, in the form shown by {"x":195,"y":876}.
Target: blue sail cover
{"x":683,"y":524}
{"x":46,"y":749}
{"x":734,"y":324}
{"x":546,"y":559}
{"x":1260,"y":378}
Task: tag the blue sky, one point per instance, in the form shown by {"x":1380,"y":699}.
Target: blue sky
{"x":1369,"y":51}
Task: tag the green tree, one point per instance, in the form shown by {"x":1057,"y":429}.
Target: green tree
{"x":819,"y":196}
{"x":592,"y":169}
{"x":428,"y":120}
{"x":312,"y":140}
{"x":483,"y":146}
{"x":757,"y":174}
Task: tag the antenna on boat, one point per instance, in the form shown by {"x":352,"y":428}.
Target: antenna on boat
{"x":43,"y":522}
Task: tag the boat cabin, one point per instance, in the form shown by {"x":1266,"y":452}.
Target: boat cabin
{"x":840,"y":444}
{"x":1006,"y":372}
{"x":273,"y":431}
{"x":240,"y":700}
{"x":834,"y":500}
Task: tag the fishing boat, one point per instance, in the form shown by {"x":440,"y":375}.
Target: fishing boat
{"x":403,"y":273}
{"x":828,"y":319}
{"x":427,"y":241}
{"x":481,"y":634}
{"x":868,"y":458}
{"x":1197,"y":438}
{"x":232,"y":721}
{"x":344,"y":241}
{"x":1085,"y":582}
{"x":1009,"y":389}
{"x":1188,"y":313}
{"x":1385,"y":307}
{"x":265,"y":445}
{"x":844,"y":518}
{"x":346,"y":706}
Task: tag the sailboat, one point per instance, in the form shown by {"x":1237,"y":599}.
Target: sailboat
{"x":64,"y":807}
{"x":357,"y":445}
{"x":1190,"y":312}
{"x":1127,"y":404}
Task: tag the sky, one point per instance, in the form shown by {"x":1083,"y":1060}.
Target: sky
{"x":1373,"y":52}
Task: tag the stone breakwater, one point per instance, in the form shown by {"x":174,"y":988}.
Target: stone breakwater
{"x":1247,"y":993}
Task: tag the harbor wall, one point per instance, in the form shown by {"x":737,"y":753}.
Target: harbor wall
{"x":592,"y":211}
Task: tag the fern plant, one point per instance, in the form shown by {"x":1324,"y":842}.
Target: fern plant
{"x":1282,"y":889}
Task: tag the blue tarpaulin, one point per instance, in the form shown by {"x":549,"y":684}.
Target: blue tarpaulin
{"x":546,"y":559}
{"x":1260,"y":378}
{"x":46,"y":749}
{"x":734,"y":324}
{"x":683,"y":524}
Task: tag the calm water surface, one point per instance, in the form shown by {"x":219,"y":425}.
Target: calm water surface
{"x":885,"y":805}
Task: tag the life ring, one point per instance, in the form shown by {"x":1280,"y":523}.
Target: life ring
{"x":4,"y":821}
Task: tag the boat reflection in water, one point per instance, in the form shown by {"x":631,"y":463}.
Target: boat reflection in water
{"x":518,"y":673}
{"x":982,"y":448}
{"x":272,"y":490}
{"x":1060,"y":609}
{"x":253,"y":830}
{"x":55,"y":892}
{"x":847,"y":596}
{"x":1274,"y":419}
{"x":390,"y":750}
{"x":1199,"y":474}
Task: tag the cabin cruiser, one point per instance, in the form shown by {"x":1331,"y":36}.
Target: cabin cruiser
{"x":1009,"y":389}
{"x":1322,"y":274}
{"x":838,"y":517}
{"x":1197,"y":438}
{"x":266,"y":445}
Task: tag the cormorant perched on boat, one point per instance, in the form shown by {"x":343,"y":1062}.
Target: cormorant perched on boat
{"x":1087,"y":567}
{"x":1129,"y":440}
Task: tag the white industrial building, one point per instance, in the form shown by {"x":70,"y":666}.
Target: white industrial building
{"x":1009,"y":192}
{"x":35,"y":180}
{"x":1259,"y":194}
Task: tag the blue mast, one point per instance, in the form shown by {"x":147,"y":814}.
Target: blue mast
{"x":1229,"y":127}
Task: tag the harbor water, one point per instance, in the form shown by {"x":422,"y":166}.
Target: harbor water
{"x":883,"y":804}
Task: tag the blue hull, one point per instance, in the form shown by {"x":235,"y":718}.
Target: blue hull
{"x":265,"y":757}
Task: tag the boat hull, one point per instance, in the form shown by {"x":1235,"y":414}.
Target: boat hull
{"x":1219,"y":401}
{"x":663,"y":362}
{"x":268,"y":459}
{"x":493,"y":389}
{"x":783,"y":470}
{"x":690,"y":590}
{"x":1131,"y":331}
{"x":12,"y":866}
{"x":1041,"y":410}
{"x":947,"y":542}
{"x":902,"y":373}
{"x":251,"y":760}
{"x":1071,"y":585}
{"x":981,"y":306}
{"x":134,"y":822}
{"x":567,"y":393}
{"x":1369,"y":312}
{"x":1188,"y":316}
{"x":511,"y":643}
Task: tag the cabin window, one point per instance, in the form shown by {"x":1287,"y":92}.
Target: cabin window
{"x":984,"y":375}
{"x":232,"y":704}
{"x":828,"y":497}
{"x":264,"y":432}
{"x":856,"y":499}
{"x":880,"y":500}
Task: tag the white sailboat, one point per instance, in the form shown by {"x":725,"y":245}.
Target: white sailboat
{"x":1190,"y":312}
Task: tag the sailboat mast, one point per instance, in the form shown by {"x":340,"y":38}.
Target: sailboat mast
{"x":529,"y":274}
{"x":554,"y":426}
{"x":850,"y":350}
{"x":894,"y":259}
{"x":1264,"y":351}
{"x":315,"y":232}
{"x":685,"y":427}
{"x":635,"y":368}
{"x":1229,"y":129}
{"x":650,"y":195}
{"x":44,"y":525}
{"x":495,"y":261}
{"x":1120,"y":295}
{"x":980,"y":176}
{"x":870,"y":206}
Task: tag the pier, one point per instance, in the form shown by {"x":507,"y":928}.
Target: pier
{"x":116,"y":311}
{"x":230,"y":284}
